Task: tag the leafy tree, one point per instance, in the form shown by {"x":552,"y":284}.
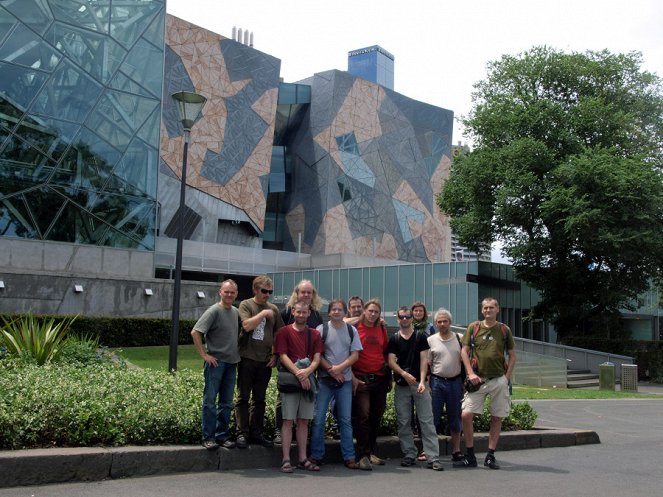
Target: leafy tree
{"x":566,"y":173}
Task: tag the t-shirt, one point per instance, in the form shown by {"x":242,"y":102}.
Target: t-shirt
{"x":220,"y":327}
{"x":444,"y":355}
{"x":295,"y":343}
{"x":489,"y":348}
{"x":258,"y":347}
{"x":407,"y":357}
{"x":374,"y":347}
{"x":337,"y":347}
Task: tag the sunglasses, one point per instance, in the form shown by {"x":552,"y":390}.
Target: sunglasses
{"x":405,"y":316}
{"x":266,"y":292}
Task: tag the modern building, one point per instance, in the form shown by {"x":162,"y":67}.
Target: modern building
{"x":373,"y":64}
{"x":334,"y":176}
{"x":335,"y":170}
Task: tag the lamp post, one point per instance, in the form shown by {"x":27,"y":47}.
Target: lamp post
{"x":189,"y":106}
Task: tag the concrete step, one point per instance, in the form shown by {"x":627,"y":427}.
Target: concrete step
{"x":582,"y":377}
{"x":590,"y":383}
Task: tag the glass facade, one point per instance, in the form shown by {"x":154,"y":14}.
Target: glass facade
{"x":373,"y":64}
{"x":80,"y":106}
{"x":457,"y":286}
{"x":293,"y":103}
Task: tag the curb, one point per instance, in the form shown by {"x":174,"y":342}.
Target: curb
{"x":83,"y":464}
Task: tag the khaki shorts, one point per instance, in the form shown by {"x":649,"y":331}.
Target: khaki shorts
{"x":500,"y":400}
{"x":296,"y":406}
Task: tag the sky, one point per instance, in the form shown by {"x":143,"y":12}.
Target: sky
{"x":441,"y":47}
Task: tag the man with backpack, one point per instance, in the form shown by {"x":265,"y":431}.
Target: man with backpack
{"x":484,"y":345}
{"x":341,"y":350}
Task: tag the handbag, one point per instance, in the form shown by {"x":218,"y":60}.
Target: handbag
{"x":286,"y":381}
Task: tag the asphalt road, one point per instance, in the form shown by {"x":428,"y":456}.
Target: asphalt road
{"x":625,"y":463}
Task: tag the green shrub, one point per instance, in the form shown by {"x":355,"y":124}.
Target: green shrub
{"x":117,"y":332}
{"x":40,"y":340}
{"x":69,"y":405}
{"x":522,"y":417}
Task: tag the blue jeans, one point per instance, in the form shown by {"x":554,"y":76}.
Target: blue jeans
{"x":219,"y":382}
{"x":449,"y":393}
{"x":343,"y":396}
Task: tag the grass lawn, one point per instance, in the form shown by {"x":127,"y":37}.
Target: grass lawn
{"x":536,"y":393}
{"x":157,"y":357}
{"x":187,"y":357}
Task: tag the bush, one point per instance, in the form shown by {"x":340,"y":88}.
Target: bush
{"x":38,"y":340}
{"x":83,"y":404}
{"x":68,"y":406}
{"x":116,"y":332}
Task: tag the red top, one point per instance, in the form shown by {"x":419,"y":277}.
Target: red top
{"x":373,"y":356}
{"x":294,"y":343}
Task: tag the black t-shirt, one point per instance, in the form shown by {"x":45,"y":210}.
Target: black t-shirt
{"x":404,"y":353}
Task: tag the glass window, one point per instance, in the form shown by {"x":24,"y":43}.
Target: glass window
{"x":25,"y":48}
{"x":128,"y":20}
{"x":34,"y":13}
{"x":404,"y":282}
{"x":15,"y":219}
{"x":18,"y":86}
{"x":391,"y":292}
{"x":144,"y":64}
{"x":325,"y":285}
{"x":69,"y":94}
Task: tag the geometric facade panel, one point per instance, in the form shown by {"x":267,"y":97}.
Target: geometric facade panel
{"x":80,"y":89}
{"x":232,"y":141}
{"x":369,"y":186}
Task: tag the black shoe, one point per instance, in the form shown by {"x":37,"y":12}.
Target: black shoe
{"x":277,"y":437}
{"x":491,"y":462}
{"x":466,"y":461}
{"x":457,"y":456}
{"x":242,"y":442}
{"x":226,"y":443}
{"x":408,"y":461}
{"x":260,"y":440}
{"x":210,"y":444}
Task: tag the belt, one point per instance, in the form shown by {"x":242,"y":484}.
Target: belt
{"x":368,"y":377}
{"x":446,"y":379}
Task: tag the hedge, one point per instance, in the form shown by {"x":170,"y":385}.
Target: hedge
{"x":118,"y":332}
{"x":66,"y":405}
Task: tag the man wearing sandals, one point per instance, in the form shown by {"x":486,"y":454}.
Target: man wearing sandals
{"x":341,"y":351}
{"x":297,"y":343}
{"x":219,"y":324}
{"x":490,"y":341}
{"x":408,"y":358}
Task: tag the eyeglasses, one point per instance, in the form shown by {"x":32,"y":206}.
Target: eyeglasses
{"x":266,"y":292}
{"x":405,"y":316}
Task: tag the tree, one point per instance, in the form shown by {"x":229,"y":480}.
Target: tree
{"x":567,"y":173}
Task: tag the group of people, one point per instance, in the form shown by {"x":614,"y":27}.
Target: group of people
{"x":349,"y":363}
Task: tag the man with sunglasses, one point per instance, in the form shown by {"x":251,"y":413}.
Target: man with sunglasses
{"x":408,"y":358}
{"x":260,"y":320}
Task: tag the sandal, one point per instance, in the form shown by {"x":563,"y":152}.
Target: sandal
{"x":286,"y":467}
{"x":421,"y":456}
{"x":308,"y":465}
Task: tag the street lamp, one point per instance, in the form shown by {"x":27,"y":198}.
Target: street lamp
{"x":189,"y":106}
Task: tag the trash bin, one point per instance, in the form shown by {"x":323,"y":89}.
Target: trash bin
{"x":606,"y":376}
{"x":629,"y":377}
